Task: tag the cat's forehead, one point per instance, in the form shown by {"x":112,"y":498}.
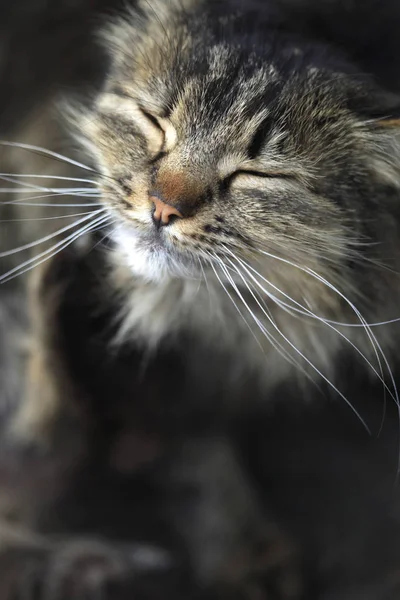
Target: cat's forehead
{"x":220,"y":90}
{"x":218,"y":73}
{"x":231,"y":98}
{"x":199,"y":77}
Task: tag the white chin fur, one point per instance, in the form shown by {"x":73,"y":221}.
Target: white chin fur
{"x":146,"y":260}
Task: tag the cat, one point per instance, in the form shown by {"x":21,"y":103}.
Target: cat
{"x":237,"y":162}
{"x":228,"y":147}
{"x":250,"y":150}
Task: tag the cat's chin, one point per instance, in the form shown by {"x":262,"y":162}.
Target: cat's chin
{"x":148,"y":258}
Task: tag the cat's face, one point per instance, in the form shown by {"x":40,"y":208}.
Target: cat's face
{"x":217,"y":144}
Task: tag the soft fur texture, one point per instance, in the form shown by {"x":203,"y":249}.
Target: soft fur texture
{"x":274,"y":141}
{"x":282,"y":160}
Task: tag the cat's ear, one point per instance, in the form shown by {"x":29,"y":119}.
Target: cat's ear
{"x":382,"y":123}
{"x":372,"y":104}
{"x":386,"y":113}
{"x":389,"y":122}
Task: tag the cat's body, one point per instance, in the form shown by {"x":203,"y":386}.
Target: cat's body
{"x":312,"y":468}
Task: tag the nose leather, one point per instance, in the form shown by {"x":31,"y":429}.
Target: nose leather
{"x":163,"y":211}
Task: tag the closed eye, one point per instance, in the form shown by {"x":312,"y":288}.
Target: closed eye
{"x":244,"y":174}
{"x":155,"y":134}
{"x":268,"y":175}
{"x":162,"y":126}
{"x":153,"y":120}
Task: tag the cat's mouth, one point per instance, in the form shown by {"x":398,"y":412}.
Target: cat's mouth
{"x":151,"y":255}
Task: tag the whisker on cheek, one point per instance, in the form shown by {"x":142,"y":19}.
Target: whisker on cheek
{"x":300,"y":353}
{"x":43,"y":256}
{"x":50,"y":236}
{"x":308,"y":313}
{"x":271,"y":339}
{"x":211,"y":263}
{"x":56,"y":206}
{"x":67,"y":216}
{"x":42,"y":176}
{"x":47,"y":152}
{"x":40,"y":188}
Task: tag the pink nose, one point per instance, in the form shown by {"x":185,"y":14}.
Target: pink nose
{"x":163,"y":212}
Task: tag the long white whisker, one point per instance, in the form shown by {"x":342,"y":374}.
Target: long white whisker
{"x":51,"y":205}
{"x":22,"y":201}
{"x":272,"y":340}
{"x":104,"y":236}
{"x":50,"y":193}
{"x":41,"y":188}
{"x":309,"y":313}
{"x":375,"y":344}
{"x":370,"y":334}
{"x":308,"y":361}
{"x":36,"y":176}
{"x":47,"y":152}
{"x":205,"y":280}
{"x":372,"y":338}
{"x":51,"y":235}
{"x":379,"y":375}
{"x":26,"y":201}
{"x":363,"y":323}
{"x":46,"y":218}
{"x":65,"y":243}
{"x":376,"y":324}
{"x":35,"y":261}
{"x":235,"y":305}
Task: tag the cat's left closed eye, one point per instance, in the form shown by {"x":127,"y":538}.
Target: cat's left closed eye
{"x":153,"y":120}
{"x":268,"y":175}
{"x":154,"y":131}
{"x":241,"y":174}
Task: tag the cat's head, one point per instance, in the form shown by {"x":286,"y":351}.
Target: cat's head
{"x":263,"y":151}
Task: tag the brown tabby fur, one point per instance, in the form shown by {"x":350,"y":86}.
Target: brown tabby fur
{"x":283,"y":161}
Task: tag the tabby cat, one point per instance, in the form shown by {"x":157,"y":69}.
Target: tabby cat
{"x":247,"y":177}
{"x":251,"y":181}
{"x":246,"y":166}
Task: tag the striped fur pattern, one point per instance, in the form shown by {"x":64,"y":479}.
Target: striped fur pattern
{"x":281,"y":161}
